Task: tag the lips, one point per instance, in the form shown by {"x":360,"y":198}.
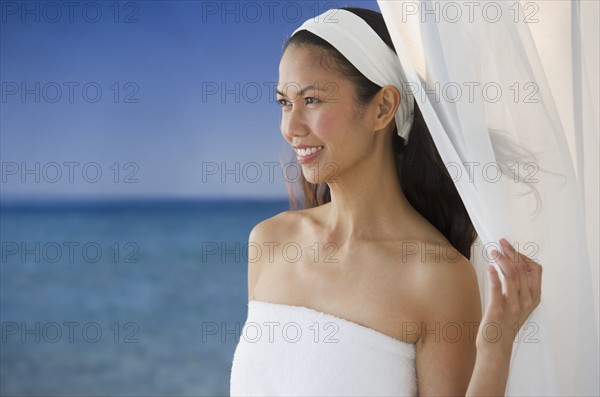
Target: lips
{"x":305,"y":153}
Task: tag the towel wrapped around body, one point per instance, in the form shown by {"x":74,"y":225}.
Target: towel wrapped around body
{"x":287,"y":350}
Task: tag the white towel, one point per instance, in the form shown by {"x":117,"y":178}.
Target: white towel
{"x":288,"y":350}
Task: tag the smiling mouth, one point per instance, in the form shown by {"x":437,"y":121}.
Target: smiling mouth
{"x":304,"y":152}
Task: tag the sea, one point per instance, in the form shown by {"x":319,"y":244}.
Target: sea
{"x":123,"y":298}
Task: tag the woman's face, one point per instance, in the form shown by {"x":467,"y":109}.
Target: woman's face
{"x":318,"y":111}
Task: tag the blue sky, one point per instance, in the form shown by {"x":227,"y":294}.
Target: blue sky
{"x":107,"y":100}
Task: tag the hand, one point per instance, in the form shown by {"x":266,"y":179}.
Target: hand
{"x":507,"y":312}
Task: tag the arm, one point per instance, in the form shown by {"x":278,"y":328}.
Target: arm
{"x":472,"y":365}
{"x":256,"y":239}
{"x":446,"y":350}
{"x":253,"y":266}
{"x":260,"y":236}
{"x":523,"y":294}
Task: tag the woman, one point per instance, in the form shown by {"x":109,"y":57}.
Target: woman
{"x":384,"y":242}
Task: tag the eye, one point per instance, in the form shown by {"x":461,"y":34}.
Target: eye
{"x":309,"y":101}
{"x":282,"y":102}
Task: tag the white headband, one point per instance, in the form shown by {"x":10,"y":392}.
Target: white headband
{"x":362,"y":46}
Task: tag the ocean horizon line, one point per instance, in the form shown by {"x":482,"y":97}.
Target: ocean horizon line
{"x":136,"y":202}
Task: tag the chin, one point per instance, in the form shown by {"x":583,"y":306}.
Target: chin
{"x":309,"y":175}
{"x":316,"y":173}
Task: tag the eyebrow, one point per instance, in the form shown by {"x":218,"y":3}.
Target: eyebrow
{"x":302,"y":91}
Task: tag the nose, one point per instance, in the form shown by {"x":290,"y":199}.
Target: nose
{"x":293,"y":123}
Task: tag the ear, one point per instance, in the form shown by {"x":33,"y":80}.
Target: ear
{"x":386,"y":104}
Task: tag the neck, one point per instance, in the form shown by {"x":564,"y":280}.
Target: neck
{"x":367,"y":202}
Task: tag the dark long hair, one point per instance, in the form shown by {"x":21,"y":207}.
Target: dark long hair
{"x":424,"y":178}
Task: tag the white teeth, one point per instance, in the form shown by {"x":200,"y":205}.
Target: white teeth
{"x":307,"y":151}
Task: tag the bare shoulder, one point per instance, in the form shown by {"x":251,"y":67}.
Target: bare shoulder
{"x":449,"y":292}
{"x":266,"y":229}
{"x":447,"y":285}
{"x":287,"y":222}
{"x":439,"y":256}
{"x":271,"y":229}
{"x":268,"y":232}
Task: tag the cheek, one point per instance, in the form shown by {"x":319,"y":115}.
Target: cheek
{"x":327,"y":126}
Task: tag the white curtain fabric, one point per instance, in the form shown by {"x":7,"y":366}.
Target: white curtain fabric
{"x":514,"y":116}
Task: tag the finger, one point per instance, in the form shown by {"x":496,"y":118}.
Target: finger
{"x":535,"y":278}
{"x":528,"y":261}
{"x":496,"y":298}
{"x":521,"y":270}
{"x":528,"y":264}
{"x":510,"y":276}
{"x":511,"y":253}
{"x":534,"y":270}
{"x":508,"y":250}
